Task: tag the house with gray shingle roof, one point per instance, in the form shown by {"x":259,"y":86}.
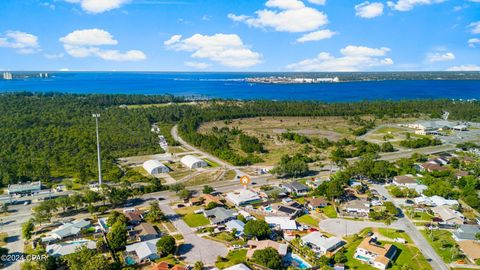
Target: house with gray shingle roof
{"x":220,"y":215}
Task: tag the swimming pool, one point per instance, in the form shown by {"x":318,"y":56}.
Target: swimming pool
{"x":296,"y":261}
{"x":268,"y":208}
{"x":130,"y":261}
{"x":363,"y":258}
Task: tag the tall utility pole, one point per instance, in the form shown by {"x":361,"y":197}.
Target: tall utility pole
{"x":97,"y":115}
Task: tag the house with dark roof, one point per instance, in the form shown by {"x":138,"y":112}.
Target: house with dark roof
{"x":295,"y":187}
{"x":134,"y":217}
{"x":466,"y":232}
{"x":403,"y":180}
{"x":220,"y":215}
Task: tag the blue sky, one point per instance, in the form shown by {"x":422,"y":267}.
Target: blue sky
{"x":240,"y":35}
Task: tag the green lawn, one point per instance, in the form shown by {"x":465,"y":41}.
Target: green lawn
{"x":308,"y":220}
{"x":393,"y":233}
{"x":227,"y":238}
{"x":439,"y":237}
{"x":329,"y":211}
{"x":234,"y":257}
{"x":422,"y":216}
{"x":195,"y":220}
{"x":211,"y":163}
{"x":411,"y":256}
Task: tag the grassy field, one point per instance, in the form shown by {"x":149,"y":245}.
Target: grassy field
{"x":439,"y":237}
{"x":211,"y":163}
{"x":178,"y":175}
{"x":234,"y":257}
{"x":308,"y":220}
{"x":195,"y":220}
{"x":329,"y":211}
{"x":230,"y":174}
{"x":392,"y":233}
{"x":227,"y":239}
{"x":192,"y":219}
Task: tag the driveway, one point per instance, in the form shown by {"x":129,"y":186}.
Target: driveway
{"x":195,"y":248}
{"x":343,"y":227}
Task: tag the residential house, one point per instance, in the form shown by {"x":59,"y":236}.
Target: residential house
{"x":243,"y":196}
{"x":466,"y":232}
{"x":66,"y":230}
{"x":321,"y":244}
{"x":432,"y":167}
{"x":434,"y":201}
{"x":282,"y":223}
{"x":295,"y":187}
{"x":317,"y":203}
{"x":258,"y":245}
{"x":291,"y":210}
{"x":220,"y":215}
{"x":166,"y":266}
{"x":145,"y":231}
{"x":273,"y":191}
{"x":237,"y":225}
{"x":403,"y":180}
{"x":358,"y":207}
{"x":62,"y":249}
{"x":448,"y":215}
{"x":315,"y":182}
{"x":134,"y":217}
{"x":143,"y":251}
{"x":471,"y":248}
{"x":369,"y":251}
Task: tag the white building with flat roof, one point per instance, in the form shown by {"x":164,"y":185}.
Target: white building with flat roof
{"x":24,"y":188}
{"x":155,"y":167}
{"x":320,"y":243}
{"x":62,"y":249}
{"x":242,"y":197}
{"x":193,"y":162}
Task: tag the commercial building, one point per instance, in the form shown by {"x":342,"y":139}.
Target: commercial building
{"x":155,"y":167}
{"x":243,"y":196}
{"x":25,"y":188}
{"x":193,"y":162}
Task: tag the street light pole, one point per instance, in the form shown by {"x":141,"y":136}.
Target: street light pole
{"x":97,"y":115}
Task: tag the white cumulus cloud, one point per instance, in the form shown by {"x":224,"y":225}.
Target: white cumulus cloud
{"x":475,"y":27}
{"x":224,"y":49}
{"x":473,"y":42}
{"x":406,"y":5}
{"x":99,"y":6}
{"x":464,"y":68}
{"x":318,"y":2}
{"x":369,"y":10}
{"x":89,"y":42}
{"x":440,"y":57}
{"x":197,"y":65}
{"x":23,"y":43}
{"x":317,"y":35}
{"x":354,"y":58}
{"x":285,"y":16}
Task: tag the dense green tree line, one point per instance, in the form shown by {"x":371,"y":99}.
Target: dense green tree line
{"x":45,"y":136}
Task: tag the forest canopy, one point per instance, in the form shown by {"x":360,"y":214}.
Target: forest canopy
{"x":47,"y":136}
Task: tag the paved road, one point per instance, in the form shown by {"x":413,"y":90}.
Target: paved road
{"x":435,"y":261}
{"x":195,"y":248}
